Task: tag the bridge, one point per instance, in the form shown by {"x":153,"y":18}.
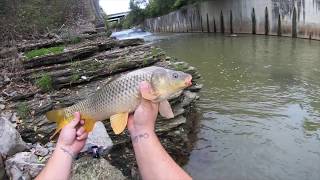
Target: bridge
{"x":117,"y":16}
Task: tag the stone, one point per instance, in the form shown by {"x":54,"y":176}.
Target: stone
{"x":92,"y":168}
{"x":23,"y":165}
{"x":9,"y":116}
{"x":40,"y":150}
{"x":189,"y":97}
{"x":195,"y":88}
{"x":2,"y":169}
{"x":98,"y":138}
{"x":6,"y":79}
{"x":2,"y":106}
{"x":11,"y":141}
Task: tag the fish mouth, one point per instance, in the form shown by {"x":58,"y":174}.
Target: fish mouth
{"x":188,"y":81}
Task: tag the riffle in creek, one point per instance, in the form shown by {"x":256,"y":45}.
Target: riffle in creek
{"x":32,"y":85}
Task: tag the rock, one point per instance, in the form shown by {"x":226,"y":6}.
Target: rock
{"x":11,"y":141}
{"x":9,"y":116}
{"x":195,"y":88}
{"x":92,"y":168}
{"x":24,"y":166}
{"x":2,"y":169}
{"x":2,"y":106}
{"x":189,"y":97}
{"x":98,"y":138}
{"x":40,"y":150}
{"x":6,"y":79}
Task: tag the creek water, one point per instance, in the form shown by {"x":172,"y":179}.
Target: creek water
{"x":259,"y":107}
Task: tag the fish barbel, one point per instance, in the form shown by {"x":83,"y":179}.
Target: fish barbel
{"x":121,"y":96}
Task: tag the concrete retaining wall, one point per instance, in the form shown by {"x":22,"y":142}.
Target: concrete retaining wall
{"x":295,"y":18}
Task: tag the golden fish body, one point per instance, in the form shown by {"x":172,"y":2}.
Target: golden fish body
{"x":122,"y":96}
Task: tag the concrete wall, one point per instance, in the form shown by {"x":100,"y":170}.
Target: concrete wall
{"x":296,"y":18}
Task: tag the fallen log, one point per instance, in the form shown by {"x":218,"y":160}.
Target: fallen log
{"x":79,"y":52}
{"x":60,"y":58}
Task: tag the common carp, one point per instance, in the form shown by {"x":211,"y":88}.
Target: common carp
{"x":121,"y":96}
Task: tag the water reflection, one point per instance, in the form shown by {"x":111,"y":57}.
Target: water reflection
{"x":260,"y":105}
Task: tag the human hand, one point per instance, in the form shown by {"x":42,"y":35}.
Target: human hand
{"x":144,"y":118}
{"x":73,"y":137}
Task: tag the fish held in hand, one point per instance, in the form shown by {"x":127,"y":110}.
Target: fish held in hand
{"x":121,"y":96}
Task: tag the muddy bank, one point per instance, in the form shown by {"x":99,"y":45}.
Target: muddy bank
{"x":32,"y":84}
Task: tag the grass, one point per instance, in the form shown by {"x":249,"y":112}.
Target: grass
{"x":75,"y":40}
{"x":44,"y":51}
{"x":311,"y":126}
{"x":44,"y":82}
{"x":145,"y":61}
{"x":23,"y":110}
{"x":155,"y":51}
{"x":75,"y":77}
{"x":179,"y":66}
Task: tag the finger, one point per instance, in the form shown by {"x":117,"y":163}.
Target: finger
{"x":130,"y":121}
{"x":82,"y":122}
{"x":80,"y":131}
{"x":82,"y":137}
{"x":75,"y":121}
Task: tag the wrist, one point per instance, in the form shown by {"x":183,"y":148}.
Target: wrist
{"x":139,"y":136}
{"x":137,"y":131}
{"x":66,"y":150}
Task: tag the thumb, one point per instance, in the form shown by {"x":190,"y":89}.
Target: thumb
{"x":146,"y":89}
{"x":75,"y":121}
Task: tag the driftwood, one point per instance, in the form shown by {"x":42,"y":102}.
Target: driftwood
{"x":81,"y":51}
{"x":27,"y":46}
{"x":60,"y":58}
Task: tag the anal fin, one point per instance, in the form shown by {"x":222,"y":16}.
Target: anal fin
{"x":165,"y":109}
{"x":119,"y":122}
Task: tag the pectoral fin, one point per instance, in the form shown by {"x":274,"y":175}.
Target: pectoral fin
{"x":165,"y":110}
{"x":119,"y":122}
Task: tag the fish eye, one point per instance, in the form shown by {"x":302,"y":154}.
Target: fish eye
{"x":175,"y":75}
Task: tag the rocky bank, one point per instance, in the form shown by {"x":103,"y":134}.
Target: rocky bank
{"x":32,"y":85}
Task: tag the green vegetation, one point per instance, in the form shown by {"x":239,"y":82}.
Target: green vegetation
{"x":75,"y":40}
{"x":44,"y":51}
{"x":74,"y":77}
{"x":23,"y":110}
{"x":44,"y":82}
{"x":153,"y":8}
{"x":311,"y":126}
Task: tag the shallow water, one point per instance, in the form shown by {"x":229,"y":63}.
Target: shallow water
{"x":260,"y":105}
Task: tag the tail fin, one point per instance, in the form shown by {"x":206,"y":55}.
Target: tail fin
{"x":59,"y":117}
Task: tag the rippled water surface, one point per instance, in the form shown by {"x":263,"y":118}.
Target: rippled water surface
{"x":260,"y":105}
